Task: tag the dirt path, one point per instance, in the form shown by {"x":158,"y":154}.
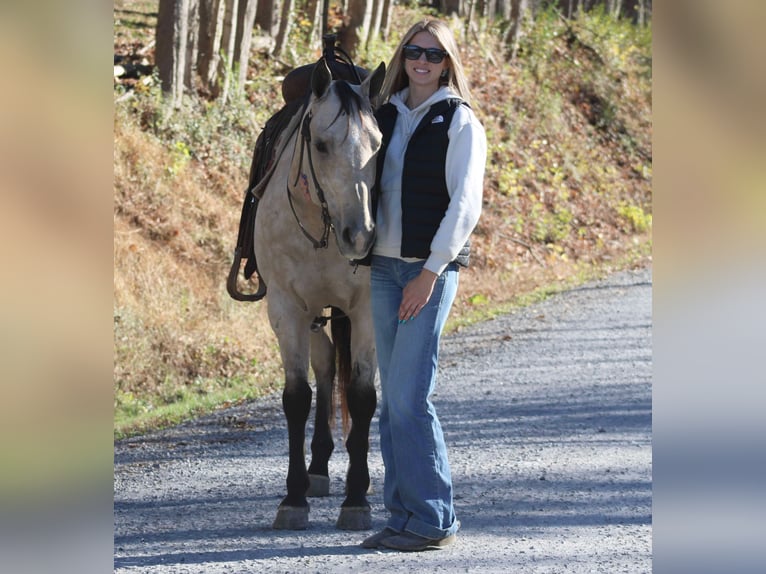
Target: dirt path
{"x":547,"y":414}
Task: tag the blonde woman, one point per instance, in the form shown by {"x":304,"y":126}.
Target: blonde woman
{"x":430,"y":180}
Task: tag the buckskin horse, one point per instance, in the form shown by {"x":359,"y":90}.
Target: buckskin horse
{"x":320,"y":183}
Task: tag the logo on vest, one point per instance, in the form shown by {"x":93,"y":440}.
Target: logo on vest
{"x":437,"y":120}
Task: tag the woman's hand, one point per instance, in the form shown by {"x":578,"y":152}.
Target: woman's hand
{"x":416,"y":294}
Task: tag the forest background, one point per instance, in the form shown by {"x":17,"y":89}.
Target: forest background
{"x":562,"y":88}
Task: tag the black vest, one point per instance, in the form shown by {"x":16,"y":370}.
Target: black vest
{"x":424,"y":186}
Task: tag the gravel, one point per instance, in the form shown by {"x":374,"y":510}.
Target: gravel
{"x":547,"y":414}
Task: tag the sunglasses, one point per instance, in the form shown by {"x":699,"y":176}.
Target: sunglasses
{"x":433,"y":55}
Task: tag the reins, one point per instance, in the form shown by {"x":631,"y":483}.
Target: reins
{"x":305,"y":143}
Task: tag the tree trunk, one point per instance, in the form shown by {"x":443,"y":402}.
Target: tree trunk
{"x":377,"y":14}
{"x":504,"y":9}
{"x":163,"y":51}
{"x":203,"y":41}
{"x":636,"y":10}
{"x":448,"y":7}
{"x":519,"y":9}
{"x":206,"y":30}
{"x":264,"y":16}
{"x":245,"y":25}
{"x":385,"y":20}
{"x":228,"y":41}
{"x":211,"y":33}
{"x":284,"y":28}
{"x":614,"y":6}
{"x":354,"y":33}
{"x":314,"y":15}
{"x":172,"y":36}
{"x":192,"y":46}
{"x":470,"y":17}
{"x":246,"y":34}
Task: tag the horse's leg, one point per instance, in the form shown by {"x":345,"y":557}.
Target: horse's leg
{"x":293,"y":511}
{"x":361,"y":401}
{"x":323,"y":364}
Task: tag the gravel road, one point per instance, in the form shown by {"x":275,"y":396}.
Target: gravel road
{"x":547,"y":414}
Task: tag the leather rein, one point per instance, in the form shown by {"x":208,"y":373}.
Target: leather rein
{"x":305,"y":143}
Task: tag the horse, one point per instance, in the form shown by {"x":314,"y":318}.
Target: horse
{"x":322,"y":184}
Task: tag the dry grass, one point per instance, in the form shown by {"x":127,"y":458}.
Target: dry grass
{"x":567,"y":198}
{"x":176,"y":330}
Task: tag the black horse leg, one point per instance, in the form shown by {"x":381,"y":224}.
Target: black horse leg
{"x":355,"y":510}
{"x":293,"y":510}
{"x":322,"y":446}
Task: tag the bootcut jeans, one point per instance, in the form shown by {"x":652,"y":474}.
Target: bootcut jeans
{"x":417,"y":490}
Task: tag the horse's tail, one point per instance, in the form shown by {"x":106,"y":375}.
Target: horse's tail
{"x":340,"y":327}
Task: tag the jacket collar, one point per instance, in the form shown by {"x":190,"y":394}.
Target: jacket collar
{"x":399,"y":99}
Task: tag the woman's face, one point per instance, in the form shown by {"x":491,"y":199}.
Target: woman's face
{"x":421,"y":72}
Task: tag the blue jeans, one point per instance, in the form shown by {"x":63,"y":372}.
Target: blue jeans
{"x":418,"y":484}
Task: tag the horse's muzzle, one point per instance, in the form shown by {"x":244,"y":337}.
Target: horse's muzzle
{"x":355,"y":242}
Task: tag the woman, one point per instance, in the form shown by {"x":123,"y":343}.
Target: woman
{"x":430,"y":177}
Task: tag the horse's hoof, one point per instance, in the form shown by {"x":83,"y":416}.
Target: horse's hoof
{"x":354,"y":518}
{"x":291,"y":518}
{"x":318,"y":485}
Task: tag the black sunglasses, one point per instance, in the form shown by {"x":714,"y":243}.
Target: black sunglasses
{"x":433,"y":55}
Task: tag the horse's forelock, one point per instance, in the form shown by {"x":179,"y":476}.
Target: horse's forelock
{"x":350,"y":101}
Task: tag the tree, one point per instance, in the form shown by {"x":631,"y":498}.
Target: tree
{"x":265,"y":16}
{"x":354,"y":33}
{"x":171,"y":46}
{"x":385,"y":20}
{"x":449,"y":7}
{"x":519,"y":11}
{"x":284,"y":28}
{"x":199,"y":43}
{"x":244,"y":39}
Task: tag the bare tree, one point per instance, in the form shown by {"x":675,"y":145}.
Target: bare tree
{"x":211,"y":14}
{"x":228,"y":39}
{"x":639,"y":11}
{"x":284,"y":28}
{"x":192,"y":44}
{"x":385,"y":19}
{"x":450,"y":7}
{"x":198,"y":42}
{"x":354,"y":33}
{"x":171,"y":46}
{"x":265,"y":15}
{"x":244,"y":38}
{"x":377,"y":16}
{"x":519,"y":11}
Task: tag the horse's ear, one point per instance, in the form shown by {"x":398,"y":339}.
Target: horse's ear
{"x":374,"y":81}
{"x":320,"y":78}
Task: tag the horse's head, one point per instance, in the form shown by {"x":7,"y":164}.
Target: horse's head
{"x":342,"y":140}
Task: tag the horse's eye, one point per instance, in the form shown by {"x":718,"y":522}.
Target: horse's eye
{"x":321,"y":147}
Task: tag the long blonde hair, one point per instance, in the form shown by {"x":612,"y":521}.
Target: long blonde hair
{"x":396,"y":76}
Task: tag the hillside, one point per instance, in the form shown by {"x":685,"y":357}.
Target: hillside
{"x":567,"y":197}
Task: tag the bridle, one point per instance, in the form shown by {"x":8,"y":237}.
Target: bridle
{"x":305,"y":143}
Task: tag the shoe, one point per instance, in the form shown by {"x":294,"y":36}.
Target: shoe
{"x":408,"y":542}
{"x":375,"y":540}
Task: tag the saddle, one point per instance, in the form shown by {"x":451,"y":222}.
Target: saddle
{"x":295,"y":92}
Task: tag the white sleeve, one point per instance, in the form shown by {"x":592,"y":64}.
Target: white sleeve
{"x":464,"y":170}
